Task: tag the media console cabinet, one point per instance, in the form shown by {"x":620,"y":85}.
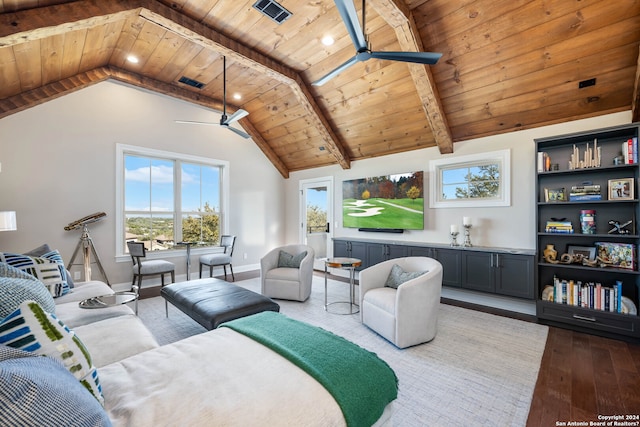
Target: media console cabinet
{"x":500,"y":271}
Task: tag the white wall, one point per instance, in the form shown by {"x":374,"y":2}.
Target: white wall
{"x":58,"y":165}
{"x":510,"y":227}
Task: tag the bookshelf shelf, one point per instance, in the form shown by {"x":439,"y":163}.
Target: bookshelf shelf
{"x":556,"y":180}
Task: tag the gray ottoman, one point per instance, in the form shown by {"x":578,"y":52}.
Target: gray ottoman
{"x":211,"y":302}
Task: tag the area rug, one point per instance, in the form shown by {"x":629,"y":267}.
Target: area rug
{"x":480,"y":370}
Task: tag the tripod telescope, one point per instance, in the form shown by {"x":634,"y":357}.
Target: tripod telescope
{"x":86,"y":244}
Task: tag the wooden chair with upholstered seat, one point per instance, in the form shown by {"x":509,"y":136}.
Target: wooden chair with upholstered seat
{"x":152,"y":267}
{"x":220,"y":259}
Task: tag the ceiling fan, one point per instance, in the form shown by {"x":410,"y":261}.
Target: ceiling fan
{"x":225,"y":120}
{"x":363,"y":51}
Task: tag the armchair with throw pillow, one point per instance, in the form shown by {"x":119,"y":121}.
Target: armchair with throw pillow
{"x":286,"y":272}
{"x":399,"y":299}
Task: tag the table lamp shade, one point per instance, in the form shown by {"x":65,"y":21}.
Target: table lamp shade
{"x":8,"y":221}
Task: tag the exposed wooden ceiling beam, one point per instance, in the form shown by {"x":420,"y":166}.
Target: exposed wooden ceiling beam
{"x":635,"y":102}
{"x":397,"y":15}
{"x":35,"y":24}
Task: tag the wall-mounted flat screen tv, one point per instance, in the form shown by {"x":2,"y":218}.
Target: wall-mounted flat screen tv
{"x":393,"y":202}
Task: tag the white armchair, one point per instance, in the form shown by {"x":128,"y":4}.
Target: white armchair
{"x":407,"y":315}
{"x":286,"y":282}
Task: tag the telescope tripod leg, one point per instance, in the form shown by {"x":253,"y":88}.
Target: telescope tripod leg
{"x":98,"y":263}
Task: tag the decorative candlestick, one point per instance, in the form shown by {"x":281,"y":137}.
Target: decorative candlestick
{"x":454,"y":235}
{"x":466,"y":222}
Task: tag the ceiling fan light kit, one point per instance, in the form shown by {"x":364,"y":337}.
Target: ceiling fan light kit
{"x":363,"y":51}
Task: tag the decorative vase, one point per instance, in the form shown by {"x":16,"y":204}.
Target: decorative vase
{"x":550,"y":253}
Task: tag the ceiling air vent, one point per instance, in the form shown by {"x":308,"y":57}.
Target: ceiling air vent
{"x":191,"y":82}
{"x":273,"y":10}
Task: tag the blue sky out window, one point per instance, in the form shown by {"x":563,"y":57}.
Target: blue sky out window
{"x":165,"y":198}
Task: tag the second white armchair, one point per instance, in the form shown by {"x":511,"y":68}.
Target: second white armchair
{"x":286,"y":273}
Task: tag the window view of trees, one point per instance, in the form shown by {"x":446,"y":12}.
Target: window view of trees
{"x":471,"y":182}
{"x":160,"y":212}
{"x":316,"y":219}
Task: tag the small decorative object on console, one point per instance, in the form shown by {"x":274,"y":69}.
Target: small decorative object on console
{"x":620,"y":228}
{"x":620,"y":255}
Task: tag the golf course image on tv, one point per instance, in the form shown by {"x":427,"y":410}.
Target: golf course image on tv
{"x":384,"y":202}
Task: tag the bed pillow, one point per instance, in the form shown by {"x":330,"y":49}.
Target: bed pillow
{"x":48,"y":268}
{"x":17,"y":286}
{"x":43,"y":249}
{"x":32,"y":329}
{"x":285,"y":259}
{"x":398,"y":276}
{"x":36,"y":390}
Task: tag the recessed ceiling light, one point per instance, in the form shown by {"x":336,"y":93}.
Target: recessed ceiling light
{"x":237,"y":96}
{"x":327,"y":40}
{"x":132,"y":59}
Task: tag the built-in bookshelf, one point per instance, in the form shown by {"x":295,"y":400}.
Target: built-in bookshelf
{"x":587,"y":232}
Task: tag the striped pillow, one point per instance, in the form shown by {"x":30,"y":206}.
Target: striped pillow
{"x":32,"y":329}
{"x":48,"y":268}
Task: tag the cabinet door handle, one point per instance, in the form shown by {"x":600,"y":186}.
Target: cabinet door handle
{"x":497,"y":260}
{"x":589,"y":319}
{"x":492,"y":265}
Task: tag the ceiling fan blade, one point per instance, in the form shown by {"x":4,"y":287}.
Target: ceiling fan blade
{"x":350,"y":18}
{"x":238,"y":131}
{"x":415,"y":57}
{"x":189,"y":122}
{"x":336,"y":71}
{"x":237,"y":116}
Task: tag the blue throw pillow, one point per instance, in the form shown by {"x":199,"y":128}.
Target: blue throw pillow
{"x":17,"y":286}
{"x":398,"y":276}
{"x":285,"y":259}
{"x":39,"y":391}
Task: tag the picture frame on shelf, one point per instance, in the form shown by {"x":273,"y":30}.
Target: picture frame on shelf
{"x":588,"y":252}
{"x":621,"y":189}
{"x":555,"y":195}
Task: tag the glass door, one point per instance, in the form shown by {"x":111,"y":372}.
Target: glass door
{"x":316,"y":206}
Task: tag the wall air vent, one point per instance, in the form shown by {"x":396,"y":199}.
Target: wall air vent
{"x":191,"y":82}
{"x":273,"y":10}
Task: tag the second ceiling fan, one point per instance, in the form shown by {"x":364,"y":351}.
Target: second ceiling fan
{"x":225,"y":121}
{"x":363,"y":51}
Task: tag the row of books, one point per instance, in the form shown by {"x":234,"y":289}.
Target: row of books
{"x":585,"y":193}
{"x":558,"y":227}
{"x":630,"y":151}
{"x":590,"y":295}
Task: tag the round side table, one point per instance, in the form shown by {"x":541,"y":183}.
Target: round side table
{"x":348,"y":264}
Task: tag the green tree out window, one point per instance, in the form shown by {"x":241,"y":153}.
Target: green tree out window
{"x":165,"y":198}
{"x":474,"y":180}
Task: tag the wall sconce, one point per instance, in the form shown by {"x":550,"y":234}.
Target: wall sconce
{"x":8,"y":221}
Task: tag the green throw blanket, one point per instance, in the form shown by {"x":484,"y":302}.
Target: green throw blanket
{"x":361,"y":382}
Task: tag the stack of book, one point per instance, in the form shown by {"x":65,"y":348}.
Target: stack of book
{"x":630,"y":151}
{"x":581,"y":193}
{"x":559,"y":227}
{"x":589,"y":295}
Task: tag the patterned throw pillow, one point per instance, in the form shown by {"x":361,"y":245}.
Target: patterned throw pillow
{"x":17,"y":286}
{"x":48,"y":268}
{"x":285,"y":259}
{"x":30,"y":328}
{"x":398,"y":276}
{"x":43,"y":249}
{"x":39,"y":391}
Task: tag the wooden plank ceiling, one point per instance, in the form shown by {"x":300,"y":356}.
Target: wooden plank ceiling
{"x":507,"y":65}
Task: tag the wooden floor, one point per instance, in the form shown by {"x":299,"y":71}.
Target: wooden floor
{"x":581,"y":376}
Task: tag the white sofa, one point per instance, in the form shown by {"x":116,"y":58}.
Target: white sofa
{"x":220,"y":377}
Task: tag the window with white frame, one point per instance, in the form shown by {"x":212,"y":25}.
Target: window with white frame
{"x":165,"y":198}
{"x":475,"y":180}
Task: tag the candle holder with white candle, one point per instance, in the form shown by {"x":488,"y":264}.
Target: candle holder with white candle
{"x":466,"y":223}
{"x":454,"y":235}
